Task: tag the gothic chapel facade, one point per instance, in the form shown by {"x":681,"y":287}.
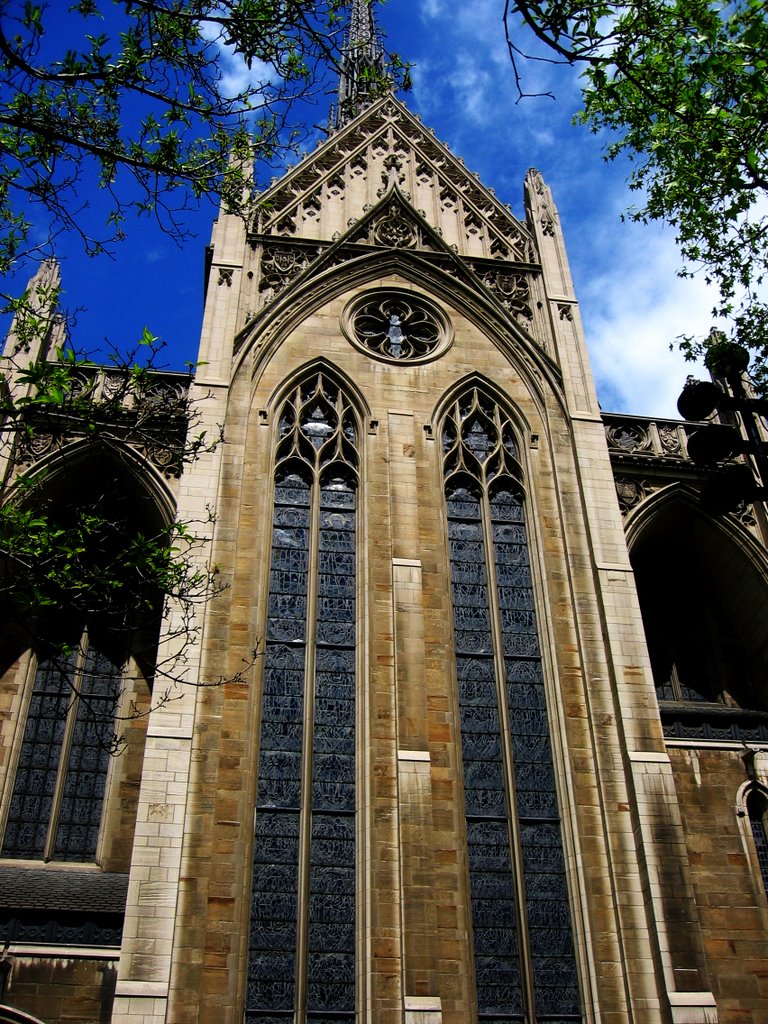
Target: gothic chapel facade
{"x":488,"y":766}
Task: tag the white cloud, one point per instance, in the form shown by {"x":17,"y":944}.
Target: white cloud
{"x":632,"y":302}
{"x":633,"y":309}
{"x":431,"y":9}
{"x":236,"y":77}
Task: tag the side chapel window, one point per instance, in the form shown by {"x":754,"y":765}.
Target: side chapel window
{"x":757,"y":806}
{"x":56,"y":804}
{"x":523,"y":948}
{"x":302,"y":932}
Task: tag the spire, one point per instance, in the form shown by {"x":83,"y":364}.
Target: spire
{"x":362,"y":65}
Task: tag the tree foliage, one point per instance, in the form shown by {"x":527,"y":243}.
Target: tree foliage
{"x":82,"y":545}
{"x":155,"y":103}
{"x":148,"y":106}
{"x":682,"y":88}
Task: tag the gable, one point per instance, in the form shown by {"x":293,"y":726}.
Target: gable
{"x":353,"y":170}
{"x":393,"y":226}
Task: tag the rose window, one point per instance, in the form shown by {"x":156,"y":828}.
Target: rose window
{"x":397,"y":326}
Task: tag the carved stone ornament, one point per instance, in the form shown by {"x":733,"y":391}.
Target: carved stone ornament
{"x":389,"y":134}
{"x":165,"y":455}
{"x":630,"y":492}
{"x":397,"y":326}
{"x":166,"y":458}
{"x":538,"y":182}
{"x":512,"y":290}
{"x":628,"y":437}
{"x":392,"y":173}
{"x":394,"y":231}
{"x":547,"y":220}
{"x":669,"y":437}
{"x":280,"y":264}
{"x":745,"y":514}
{"x":30,"y":448}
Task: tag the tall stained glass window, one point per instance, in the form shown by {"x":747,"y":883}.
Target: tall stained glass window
{"x":302,"y":933}
{"x":523,"y":947}
{"x":58,"y":793}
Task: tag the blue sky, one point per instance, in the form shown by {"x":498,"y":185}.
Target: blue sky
{"x":632,"y":303}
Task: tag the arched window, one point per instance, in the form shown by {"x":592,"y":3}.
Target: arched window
{"x":302,"y":933}
{"x":523,"y":948}
{"x":757,"y":806}
{"x":96,"y":621}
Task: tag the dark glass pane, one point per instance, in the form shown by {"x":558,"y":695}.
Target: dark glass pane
{"x":291,"y":516}
{"x":331,"y":935}
{"x":689,"y":693}
{"x":271,"y":964}
{"x":342,"y":496}
{"x":336,"y":563}
{"x":494,"y":920}
{"x":35,"y":781}
{"x":287,"y":582}
{"x":521,"y":645}
{"x":492,"y":871}
{"x":508,"y":535}
{"x":515,"y":596}
{"x":330,"y":981}
{"x":292,"y":490}
{"x":337,"y":540}
{"x":479,"y":436}
{"x":466,"y":529}
{"x":271,"y":958}
{"x":331,"y":519}
{"x":471,"y":619}
{"x":515,"y":573}
{"x":468,"y":642}
{"x":756,"y":806}
{"x":290,"y":537}
{"x":511,"y":556}
{"x":88,"y":761}
{"x":313,"y":416}
{"x":88,"y":694}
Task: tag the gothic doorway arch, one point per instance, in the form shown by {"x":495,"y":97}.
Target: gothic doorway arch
{"x":703,"y":590}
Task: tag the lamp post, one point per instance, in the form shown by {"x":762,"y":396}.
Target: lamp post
{"x":716,"y":442}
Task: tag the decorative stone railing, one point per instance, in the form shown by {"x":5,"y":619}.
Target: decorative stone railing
{"x":639,"y":436}
{"x":149,"y":412}
{"x":165,"y":392}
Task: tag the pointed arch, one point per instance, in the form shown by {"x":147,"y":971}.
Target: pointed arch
{"x":490,"y":388}
{"x":342,"y":380}
{"x":10,"y":1015}
{"x":703,"y":588}
{"x":301,"y":958}
{"x":86,"y":658}
{"x":752,"y":812}
{"x":54,"y":468}
{"x":524,"y":957}
{"x":460,"y":291}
